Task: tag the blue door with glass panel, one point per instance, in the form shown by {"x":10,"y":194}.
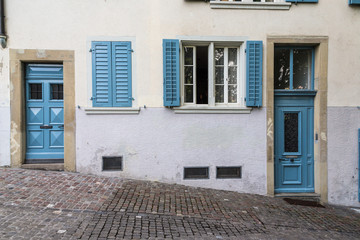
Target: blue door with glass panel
{"x":294,"y":119}
{"x":294,"y":152}
{"x":44,"y":113}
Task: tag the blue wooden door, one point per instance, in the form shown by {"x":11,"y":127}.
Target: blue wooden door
{"x":294,"y":144}
{"x":44,"y":113}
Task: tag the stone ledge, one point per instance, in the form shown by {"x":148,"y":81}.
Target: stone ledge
{"x":254,"y":5}
{"x":44,"y":166}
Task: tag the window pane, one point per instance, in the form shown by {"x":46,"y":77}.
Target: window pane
{"x":291,"y":132}
{"x":232,"y":94}
{"x":189,"y":56}
{"x":219,"y":75}
{"x":189,"y":75}
{"x":219,"y":93}
{"x":302,"y":68}
{"x":35,"y":90}
{"x":282,"y":69}
{"x":56,"y":92}
{"x":232,"y":56}
{"x":219,"y":56}
{"x":189,"y":94}
{"x":232,"y":73}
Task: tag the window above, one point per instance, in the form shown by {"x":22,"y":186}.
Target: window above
{"x":251,"y":4}
{"x":294,"y":68}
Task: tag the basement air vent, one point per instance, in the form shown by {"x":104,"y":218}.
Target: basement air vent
{"x":196,"y":172}
{"x":112,"y":163}
{"x":228,"y":172}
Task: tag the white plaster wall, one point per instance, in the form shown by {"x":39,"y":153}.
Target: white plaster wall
{"x":157,"y":144}
{"x":343,"y":155}
{"x":4,"y":108}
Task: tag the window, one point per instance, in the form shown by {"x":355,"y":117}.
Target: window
{"x":212,"y":74}
{"x":294,"y":68}
{"x":112,"y":163}
{"x":196,"y":172}
{"x":228,"y":172}
{"x":226,"y":79}
{"x":111,"y":74}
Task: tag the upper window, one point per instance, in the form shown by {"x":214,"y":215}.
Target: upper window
{"x":222,"y":66}
{"x":111,"y":74}
{"x":294,"y":68}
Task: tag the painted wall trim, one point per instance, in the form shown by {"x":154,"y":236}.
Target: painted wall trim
{"x":320,"y":44}
{"x":18,"y":58}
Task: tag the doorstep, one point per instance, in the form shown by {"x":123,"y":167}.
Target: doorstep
{"x":300,"y":196}
{"x":44,"y":166}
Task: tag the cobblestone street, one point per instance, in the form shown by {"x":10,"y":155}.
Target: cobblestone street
{"x":61,"y":205}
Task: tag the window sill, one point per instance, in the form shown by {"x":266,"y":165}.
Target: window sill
{"x":255,"y":5}
{"x":111,"y":110}
{"x":211,"y":110}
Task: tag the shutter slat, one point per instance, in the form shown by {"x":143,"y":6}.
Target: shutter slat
{"x":101,"y":72}
{"x":122,"y":96}
{"x":254,"y":58}
{"x":171,"y":69}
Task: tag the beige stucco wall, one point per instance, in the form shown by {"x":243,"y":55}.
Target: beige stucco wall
{"x":67,"y":24}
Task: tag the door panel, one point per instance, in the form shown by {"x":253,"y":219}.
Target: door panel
{"x":45,"y":112}
{"x":294,"y":145}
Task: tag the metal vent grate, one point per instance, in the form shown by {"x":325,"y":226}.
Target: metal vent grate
{"x":196,"y":172}
{"x":111,"y":163}
{"x":228,"y":172}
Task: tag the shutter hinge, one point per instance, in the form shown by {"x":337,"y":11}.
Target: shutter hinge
{"x":92,"y":98}
{"x":131,"y":50}
{"x":132,"y":98}
{"x":91,"y":50}
{"x":245,"y":50}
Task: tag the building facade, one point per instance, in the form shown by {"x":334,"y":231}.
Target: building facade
{"x":250,"y":96}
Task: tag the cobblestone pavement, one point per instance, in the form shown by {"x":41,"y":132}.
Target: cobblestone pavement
{"x":59,"y":205}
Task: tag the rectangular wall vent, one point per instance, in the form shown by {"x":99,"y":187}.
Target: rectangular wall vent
{"x":228,"y":172}
{"x":196,"y":172}
{"x":112,"y":163}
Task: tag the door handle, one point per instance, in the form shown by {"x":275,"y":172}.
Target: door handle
{"x":46,"y":127}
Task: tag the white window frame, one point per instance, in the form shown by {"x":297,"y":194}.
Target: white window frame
{"x":211,"y":75}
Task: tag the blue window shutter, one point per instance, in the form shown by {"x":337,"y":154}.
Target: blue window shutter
{"x":121,"y":73}
{"x":302,"y":1}
{"x":254,"y":59}
{"x":101,"y":74}
{"x":171,"y":60}
{"x":354,"y":2}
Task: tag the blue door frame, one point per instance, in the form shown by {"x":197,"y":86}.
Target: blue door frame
{"x":294,"y":143}
{"x":44,"y":113}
